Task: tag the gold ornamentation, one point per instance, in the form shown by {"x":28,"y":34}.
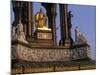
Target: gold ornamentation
{"x":40,"y":19}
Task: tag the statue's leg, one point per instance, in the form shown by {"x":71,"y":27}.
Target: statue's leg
{"x":41,"y":23}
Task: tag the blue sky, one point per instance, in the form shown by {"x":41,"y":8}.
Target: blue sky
{"x":84,"y":18}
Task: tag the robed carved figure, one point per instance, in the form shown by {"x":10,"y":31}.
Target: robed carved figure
{"x":40,"y":19}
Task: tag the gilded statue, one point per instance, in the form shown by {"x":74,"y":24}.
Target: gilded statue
{"x":40,"y":19}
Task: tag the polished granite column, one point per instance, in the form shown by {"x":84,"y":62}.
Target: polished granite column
{"x":51,"y":13}
{"x":24,"y":11}
{"x":64,"y":28}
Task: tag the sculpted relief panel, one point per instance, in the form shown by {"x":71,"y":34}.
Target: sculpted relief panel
{"x":29,"y":54}
{"x":42,"y":55}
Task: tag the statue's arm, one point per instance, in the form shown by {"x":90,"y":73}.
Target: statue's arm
{"x":37,"y":16}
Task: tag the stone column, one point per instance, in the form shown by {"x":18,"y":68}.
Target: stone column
{"x":65,"y":39}
{"x":30,"y":18}
{"x":24,"y":11}
{"x":27,"y":16}
{"x":51,"y":13}
{"x":17,"y":8}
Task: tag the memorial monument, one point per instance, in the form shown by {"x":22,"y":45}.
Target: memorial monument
{"x":34,"y":43}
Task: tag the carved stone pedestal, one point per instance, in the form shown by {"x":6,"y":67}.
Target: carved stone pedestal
{"x":43,"y":36}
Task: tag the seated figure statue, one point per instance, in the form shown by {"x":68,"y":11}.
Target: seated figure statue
{"x":41,"y":20}
{"x":18,"y":33}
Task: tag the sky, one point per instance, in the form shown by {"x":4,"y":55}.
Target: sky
{"x":84,"y":18}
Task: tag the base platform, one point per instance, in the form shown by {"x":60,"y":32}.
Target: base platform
{"x":24,"y":67}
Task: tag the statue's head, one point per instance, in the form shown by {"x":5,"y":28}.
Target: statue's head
{"x":41,"y":10}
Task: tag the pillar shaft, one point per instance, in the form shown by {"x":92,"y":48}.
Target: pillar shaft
{"x":51,"y":13}
{"x":64,"y":25}
{"x":63,"y":21}
{"x":17,"y":8}
{"x":27,"y":17}
{"x":24,"y":10}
